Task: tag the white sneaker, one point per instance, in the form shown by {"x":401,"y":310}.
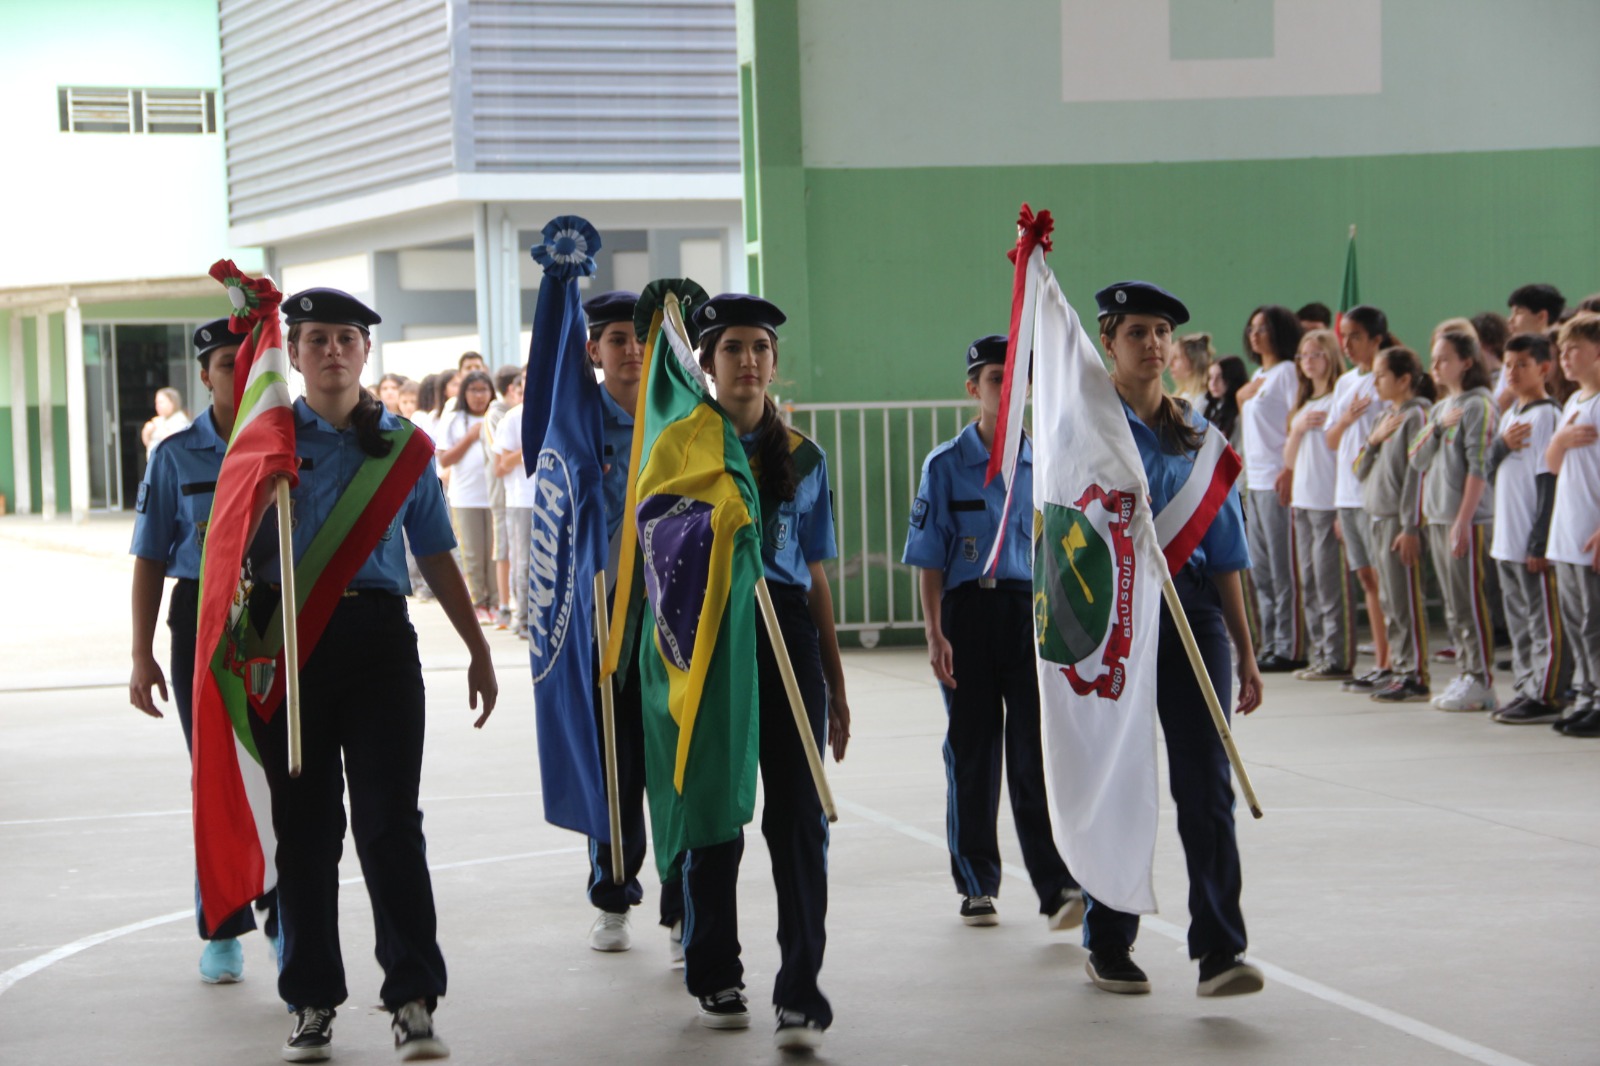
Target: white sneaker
{"x":1451,"y":691}
{"x":796,"y":1032}
{"x":1473,"y":695}
{"x":610,"y":932}
{"x":675,"y":945}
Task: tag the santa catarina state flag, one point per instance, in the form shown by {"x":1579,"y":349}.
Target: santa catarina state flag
{"x":562,"y":449}
{"x":1097,"y":579}
{"x":698,"y":517}
{"x":234,"y":841}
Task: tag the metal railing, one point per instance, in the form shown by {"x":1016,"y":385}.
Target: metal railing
{"x":875,"y":453}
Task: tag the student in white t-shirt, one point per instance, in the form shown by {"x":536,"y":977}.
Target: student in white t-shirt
{"x":508,"y":466}
{"x":1364,"y":332}
{"x":465,"y":454}
{"x":1324,"y":577}
{"x":1574,"y":546}
{"x":1524,"y":497}
{"x":1272,"y":336}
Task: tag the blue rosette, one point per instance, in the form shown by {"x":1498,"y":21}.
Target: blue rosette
{"x":568,"y":248}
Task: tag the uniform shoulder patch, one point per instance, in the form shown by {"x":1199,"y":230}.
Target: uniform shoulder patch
{"x":919,"y":512}
{"x":141,"y":503}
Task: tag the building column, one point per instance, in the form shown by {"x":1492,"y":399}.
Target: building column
{"x":47,"y":428}
{"x":21,"y":449}
{"x":498,"y":284}
{"x":77,"y":414}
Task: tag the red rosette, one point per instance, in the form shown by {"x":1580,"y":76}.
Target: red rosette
{"x":252,"y":298}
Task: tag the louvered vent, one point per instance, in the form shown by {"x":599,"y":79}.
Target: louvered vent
{"x":125,"y":110}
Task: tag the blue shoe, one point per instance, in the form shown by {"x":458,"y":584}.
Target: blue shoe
{"x":222,"y":962}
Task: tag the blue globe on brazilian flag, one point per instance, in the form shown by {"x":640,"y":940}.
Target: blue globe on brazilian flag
{"x":1075,"y":584}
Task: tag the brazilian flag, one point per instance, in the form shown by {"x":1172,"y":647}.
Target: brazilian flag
{"x":698,"y":522}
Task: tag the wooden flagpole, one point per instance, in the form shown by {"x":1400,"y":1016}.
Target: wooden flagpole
{"x":780,"y":652}
{"x":291,"y":625}
{"x":1181,"y":619}
{"x":608,"y":720}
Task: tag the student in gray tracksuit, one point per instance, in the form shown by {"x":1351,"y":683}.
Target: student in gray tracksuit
{"x":1524,"y":499}
{"x":1453,"y":452}
{"x":1392,"y":495}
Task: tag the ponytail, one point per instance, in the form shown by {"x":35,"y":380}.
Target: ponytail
{"x":1173,"y":429}
{"x":774,"y":454}
{"x":364,"y":419}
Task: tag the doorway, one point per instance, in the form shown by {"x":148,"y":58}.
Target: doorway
{"x":126,"y":364}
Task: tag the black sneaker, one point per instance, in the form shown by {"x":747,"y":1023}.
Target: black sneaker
{"x":1273,"y":663}
{"x":979,"y":910}
{"x":1223,"y":973}
{"x":1068,"y":914}
{"x":1586,"y":724}
{"x":1369,"y":682}
{"x":312,"y":1038}
{"x":796,"y":1032}
{"x":1325,"y":672}
{"x":1523,"y":711}
{"x":1114,"y":971}
{"x":725,"y":1010}
{"x":413,"y":1034}
{"x":1409,"y":689}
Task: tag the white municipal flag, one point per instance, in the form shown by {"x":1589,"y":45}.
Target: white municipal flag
{"x":1097,"y":577}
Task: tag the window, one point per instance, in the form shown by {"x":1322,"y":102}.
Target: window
{"x":115,"y":110}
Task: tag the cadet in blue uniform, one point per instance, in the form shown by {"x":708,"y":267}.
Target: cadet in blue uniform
{"x":615,"y":349}
{"x":362,"y":701}
{"x":739,"y":349}
{"x":1136,"y":321}
{"x":169,"y":524}
{"x":980,"y":642}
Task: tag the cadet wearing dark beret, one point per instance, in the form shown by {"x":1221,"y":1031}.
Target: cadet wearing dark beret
{"x":213,"y":335}
{"x":738,"y":309}
{"x":986,"y":350}
{"x":980,"y":631}
{"x":1141,"y":298}
{"x":609,"y":307}
{"x":333,"y":306}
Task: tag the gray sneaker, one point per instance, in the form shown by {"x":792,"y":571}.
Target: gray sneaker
{"x":414,"y":1039}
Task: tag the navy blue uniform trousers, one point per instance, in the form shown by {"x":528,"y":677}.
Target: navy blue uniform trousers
{"x":362,"y":719}
{"x":994,"y":708}
{"x":796,"y":833}
{"x":1200,"y":778}
{"x":183,"y":610}
{"x":603,"y":892}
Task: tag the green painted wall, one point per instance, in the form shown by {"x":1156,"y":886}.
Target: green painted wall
{"x":905,"y":267}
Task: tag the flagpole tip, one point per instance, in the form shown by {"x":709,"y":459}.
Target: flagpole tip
{"x":1352,"y":231}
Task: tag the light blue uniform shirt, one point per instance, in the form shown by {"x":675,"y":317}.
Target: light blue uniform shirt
{"x":1223,"y":548}
{"x":802,"y":534}
{"x":174,"y":502}
{"x":617,"y":452}
{"x":329,"y":460}
{"x":955,"y":516}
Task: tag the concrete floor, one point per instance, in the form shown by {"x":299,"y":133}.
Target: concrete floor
{"x":1422,"y":890}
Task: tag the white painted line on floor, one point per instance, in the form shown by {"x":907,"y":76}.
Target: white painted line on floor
{"x":1382,"y":1015}
{"x":50,"y":958}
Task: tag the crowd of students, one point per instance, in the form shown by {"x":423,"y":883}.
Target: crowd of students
{"x":1374,"y":471}
{"x":474,"y":419}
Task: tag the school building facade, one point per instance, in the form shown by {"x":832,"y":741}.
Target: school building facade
{"x":408,"y":151}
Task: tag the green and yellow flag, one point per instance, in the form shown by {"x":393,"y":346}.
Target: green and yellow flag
{"x":698,"y":522}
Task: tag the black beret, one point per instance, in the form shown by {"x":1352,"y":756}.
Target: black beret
{"x":1141,"y":298}
{"x":213,"y":335}
{"x":738,"y":309}
{"x":329,"y":305}
{"x":986,"y":350}
{"x":610,"y":307}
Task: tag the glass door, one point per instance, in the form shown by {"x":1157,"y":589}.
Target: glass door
{"x":100,"y":374}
